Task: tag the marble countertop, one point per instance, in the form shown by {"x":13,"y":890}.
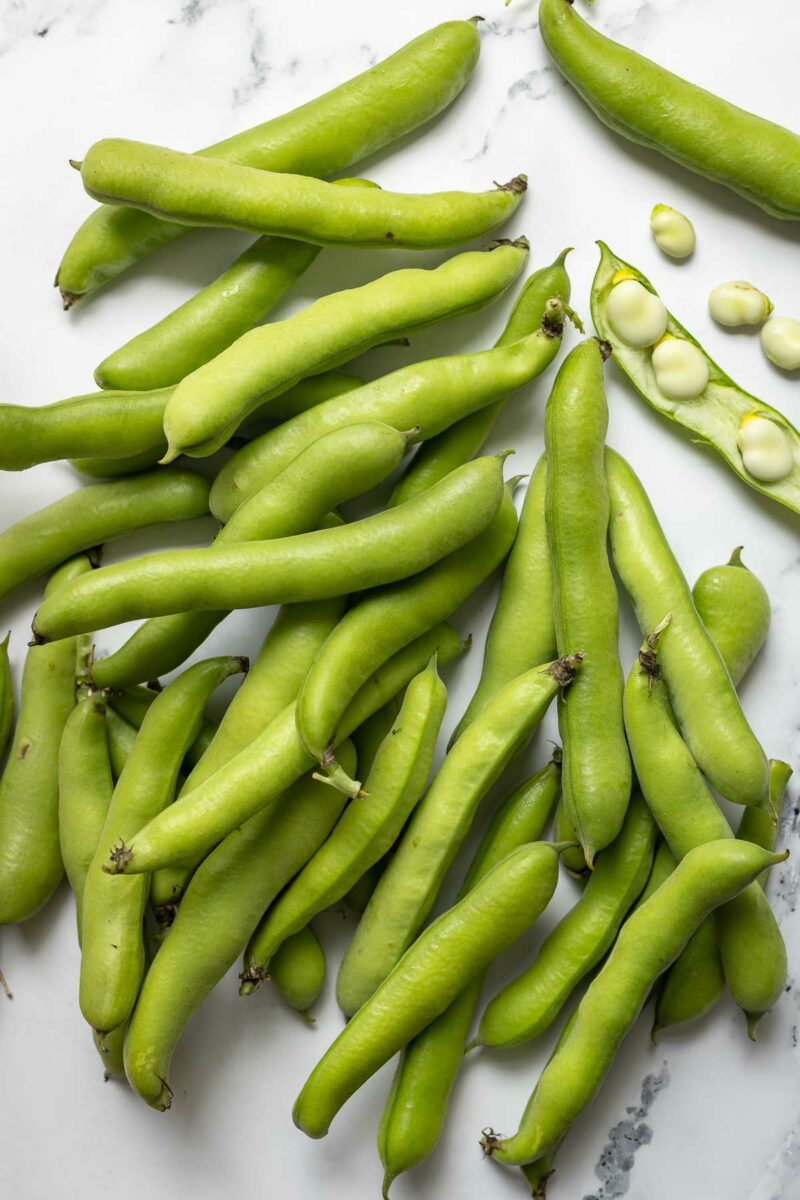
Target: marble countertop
{"x":705,"y":1115}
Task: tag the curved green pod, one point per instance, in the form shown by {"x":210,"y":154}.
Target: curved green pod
{"x":694,"y":982}
{"x":650,"y":105}
{"x":30,"y":850}
{"x":734,"y":607}
{"x":700,"y":688}
{"x":368,"y":828}
{"x":368,"y":112}
{"x":430,"y":395}
{"x":385,"y":621}
{"x":416,"y":1107}
{"x":210,"y":403}
{"x":298,"y":971}
{"x":309,"y":566}
{"x":410,"y":884}
{"x":596,"y":770}
{"x":255,"y":777}
{"x":716,"y":416}
{"x":428,"y":977}
{"x":529,"y":1004}
{"x":85,"y":786}
{"x":94,"y":515}
{"x":223,"y":903}
{"x":648,"y":942}
{"x":195,"y":191}
{"x":332,"y":470}
{"x":465,"y":439}
{"x":521,"y":633}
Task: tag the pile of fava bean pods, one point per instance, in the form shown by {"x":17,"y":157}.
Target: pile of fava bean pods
{"x":189,"y":844}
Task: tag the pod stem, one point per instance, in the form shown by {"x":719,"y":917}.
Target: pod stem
{"x":121,"y":855}
{"x":648,"y":654}
{"x":735,"y":559}
{"x":335,"y":776}
{"x":517,"y":185}
{"x":490,"y":1140}
{"x":563,"y":669}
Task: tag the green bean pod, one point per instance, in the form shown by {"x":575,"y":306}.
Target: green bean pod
{"x":114,"y":468}
{"x":333,"y":469}
{"x":368,"y":112}
{"x":110,"y":1048}
{"x":416,"y":1107}
{"x":387,"y":620}
{"x":718,"y":415}
{"x":134,"y":703}
{"x":734,"y":607}
{"x":112,"y":961}
{"x":529,"y":1004}
{"x":121,"y":736}
{"x":761,"y":824}
{"x":30,"y":851}
{"x":649,"y":105}
{"x":572,"y":857}
{"x":309,"y":566}
{"x":408,"y":888}
{"x":6,"y":696}
{"x":597,"y":768}
{"x":428,"y":977}
{"x":431,"y":394}
{"x":222,"y":905}
{"x":367,"y":739}
{"x":196,"y":191}
{"x":94,"y":515}
{"x":213,"y":401}
{"x":694,"y":982}
{"x":648,"y":942}
{"x":465,"y":439}
{"x":521,"y":633}
{"x":85,"y":785}
{"x":368,"y":828}
{"x":753,"y":953}
{"x":298,"y":971}
{"x":700,"y":688}
{"x":259,"y":773}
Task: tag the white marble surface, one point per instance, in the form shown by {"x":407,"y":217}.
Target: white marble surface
{"x":706,"y":1115}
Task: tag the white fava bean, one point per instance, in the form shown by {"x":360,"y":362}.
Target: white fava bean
{"x":780,"y":339}
{"x":681,"y":369}
{"x":673,"y":232}
{"x":738,"y":303}
{"x":765,"y":448}
{"x":637,"y":316}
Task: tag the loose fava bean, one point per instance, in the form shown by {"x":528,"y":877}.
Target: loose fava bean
{"x":738,"y":303}
{"x":6,"y":696}
{"x":466,"y":438}
{"x":431,"y":395}
{"x":221,"y":908}
{"x":651,"y":106}
{"x":715,"y":417}
{"x":310,"y":566}
{"x":521,"y":633}
{"x":417,"y":1105}
{"x":766,"y":449}
{"x":255,"y":777}
{"x":429,"y":976}
{"x":368,"y":112}
{"x":30,"y":852}
{"x":384,"y":622}
{"x":93,"y":515}
{"x":753,"y":953}
{"x":734,"y":607}
{"x":780,"y":341}
{"x":196,"y":191}
{"x":529,"y":1004}
{"x":680,"y":369}
{"x":112,"y":960}
{"x":672,"y":231}
{"x":368,"y":828}
{"x":409,"y":886}
{"x":298,"y":971}
{"x":637,"y":315}
{"x":596,"y":768}
{"x":648,"y":942}
{"x":213,"y":401}
{"x":85,"y":785}
{"x":334,"y":469}
{"x":700,"y":689}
